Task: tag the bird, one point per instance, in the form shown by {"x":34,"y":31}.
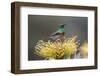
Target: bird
{"x":59,"y":34}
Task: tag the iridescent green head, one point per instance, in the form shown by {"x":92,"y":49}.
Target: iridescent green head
{"x":61,"y":28}
{"x":62,"y":25}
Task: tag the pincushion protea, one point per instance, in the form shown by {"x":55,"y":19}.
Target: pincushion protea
{"x":84,"y":50}
{"x":57,"y":49}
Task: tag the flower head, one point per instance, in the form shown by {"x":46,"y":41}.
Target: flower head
{"x":84,"y":50}
{"x":57,"y":49}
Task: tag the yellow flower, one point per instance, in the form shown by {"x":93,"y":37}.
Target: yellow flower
{"x":84,"y":50}
{"x":57,"y":49}
{"x":71,"y":46}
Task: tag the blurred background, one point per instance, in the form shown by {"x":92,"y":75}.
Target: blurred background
{"x":40,"y":27}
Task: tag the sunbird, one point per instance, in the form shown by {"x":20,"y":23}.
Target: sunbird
{"x":59,"y":34}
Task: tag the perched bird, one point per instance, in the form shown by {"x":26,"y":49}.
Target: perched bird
{"x":59,"y":34}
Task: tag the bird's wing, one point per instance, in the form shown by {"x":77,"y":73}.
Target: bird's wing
{"x":55,"y":37}
{"x":53,"y":34}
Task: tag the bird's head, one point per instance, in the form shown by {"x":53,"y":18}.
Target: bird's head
{"x":62,"y":25}
{"x":61,"y":28}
